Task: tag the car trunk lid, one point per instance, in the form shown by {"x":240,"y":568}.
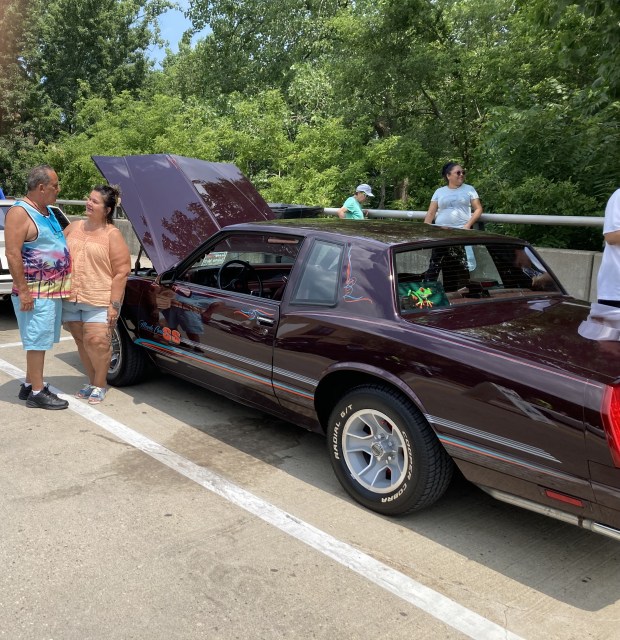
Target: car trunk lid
{"x":547,"y":331}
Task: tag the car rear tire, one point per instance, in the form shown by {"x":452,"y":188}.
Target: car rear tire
{"x":384,"y":453}
{"x":129,"y":364}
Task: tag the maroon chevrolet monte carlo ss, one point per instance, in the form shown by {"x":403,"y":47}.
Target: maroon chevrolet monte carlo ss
{"x":413,"y":349}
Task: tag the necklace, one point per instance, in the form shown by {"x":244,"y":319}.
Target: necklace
{"x":45,"y":212}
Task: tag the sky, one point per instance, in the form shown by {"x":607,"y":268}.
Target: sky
{"x":172,"y":25}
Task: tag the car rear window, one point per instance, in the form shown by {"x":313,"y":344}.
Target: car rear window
{"x":444,"y":276}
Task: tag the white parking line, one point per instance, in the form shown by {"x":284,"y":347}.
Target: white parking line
{"x":437,"y":605}
{"x":19,"y":344}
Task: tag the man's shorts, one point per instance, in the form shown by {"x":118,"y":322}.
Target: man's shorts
{"x":82,"y":312}
{"x":39,"y":329}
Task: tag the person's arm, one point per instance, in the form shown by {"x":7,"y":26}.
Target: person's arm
{"x":543,"y":282}
{"x":476,"y":213}
{"x":431,"y":213}
{"x":611,"y":224}
{"x":120,"y":261}
{"x":341,"y":212}
{"x":613,"y":237}
{"x":16,"y":230}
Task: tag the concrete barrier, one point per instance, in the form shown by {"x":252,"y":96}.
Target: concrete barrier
{"x":595,"y":267}
{"x":130,"y":237}
{"x":575,"y":269}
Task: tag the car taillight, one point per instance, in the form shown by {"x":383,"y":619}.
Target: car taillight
{"x":610,"y":412}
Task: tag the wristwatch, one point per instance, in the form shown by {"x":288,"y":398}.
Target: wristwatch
{"x":116,"y":304}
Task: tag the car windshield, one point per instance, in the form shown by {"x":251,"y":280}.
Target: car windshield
{"x":254,"y":263}
{"x":255,"y":249}
{"x":444,"y":276}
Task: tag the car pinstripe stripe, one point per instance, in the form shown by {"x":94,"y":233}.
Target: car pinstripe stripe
{"x":513,"y":444}
{"x":165,"y":349}
{"x":494,"y":455}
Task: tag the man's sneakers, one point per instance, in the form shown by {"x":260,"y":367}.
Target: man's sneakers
{"x":45,"y":399}
{"x":24,"y":391}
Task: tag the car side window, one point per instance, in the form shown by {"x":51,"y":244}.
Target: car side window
{"x":443,"y":276}
{"x":318,"y":281}
{"x":254,"y":263}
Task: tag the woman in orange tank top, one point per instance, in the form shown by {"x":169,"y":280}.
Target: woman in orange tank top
{"x":101,"y":264}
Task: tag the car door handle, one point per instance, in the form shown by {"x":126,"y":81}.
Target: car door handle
{"x":266,"y":322}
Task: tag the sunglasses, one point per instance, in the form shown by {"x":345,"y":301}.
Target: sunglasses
{"x":459,"y":173}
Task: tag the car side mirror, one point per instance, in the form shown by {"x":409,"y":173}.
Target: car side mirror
{"x":167,"y":277}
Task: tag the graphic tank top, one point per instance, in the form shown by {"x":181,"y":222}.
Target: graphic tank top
{"x":47,"y":263}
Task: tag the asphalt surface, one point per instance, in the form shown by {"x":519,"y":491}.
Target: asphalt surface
{"x":170,"y":512}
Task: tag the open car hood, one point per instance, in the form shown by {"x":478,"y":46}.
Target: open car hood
{"x":176,"y":203}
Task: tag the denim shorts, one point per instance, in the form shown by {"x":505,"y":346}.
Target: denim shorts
{"x":39,"y":328}
{"x":82,"y":312}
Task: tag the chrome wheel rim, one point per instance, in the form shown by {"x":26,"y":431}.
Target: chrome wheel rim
{"x":375,"y":451}
{"x":117,"y":356}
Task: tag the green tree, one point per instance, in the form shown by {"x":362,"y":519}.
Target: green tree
{"x":95,"y":46}
{"x":255,"y":44}
{"x":597,"y":42}
{"x":310,"y":97}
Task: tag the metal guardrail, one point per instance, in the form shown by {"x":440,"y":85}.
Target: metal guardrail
{"x":505,"y":218}
{"x":576,"y":269}
{"x":71,"y":202}
{"x":10,"y":201}
{"x":509,"y":218}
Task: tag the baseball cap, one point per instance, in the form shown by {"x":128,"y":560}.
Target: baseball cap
{"x":366,"y":189}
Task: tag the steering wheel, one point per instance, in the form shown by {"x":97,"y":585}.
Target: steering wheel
{"x":246,"y":273}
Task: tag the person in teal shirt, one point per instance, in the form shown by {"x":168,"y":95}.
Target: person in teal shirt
{"x":352,"y":207}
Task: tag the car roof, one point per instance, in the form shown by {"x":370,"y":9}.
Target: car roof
{"x":390,"y":232}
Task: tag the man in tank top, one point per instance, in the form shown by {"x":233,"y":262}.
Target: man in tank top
{"x":40,"y":266}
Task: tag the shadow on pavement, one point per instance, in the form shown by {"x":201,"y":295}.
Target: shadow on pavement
{"x":569,"y":564}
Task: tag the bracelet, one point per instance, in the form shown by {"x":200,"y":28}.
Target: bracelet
{"x":116,"y":304}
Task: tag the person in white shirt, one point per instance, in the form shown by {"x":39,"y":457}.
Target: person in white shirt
{"x":451,"y":206}
{"x":457,"y":204}
{"x":608,"y":281}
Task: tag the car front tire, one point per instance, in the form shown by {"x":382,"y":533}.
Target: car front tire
{"x":384,"y":453}
{"x":129,"y":363}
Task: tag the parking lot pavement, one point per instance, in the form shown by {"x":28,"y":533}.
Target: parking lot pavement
{"x":168,"y":511}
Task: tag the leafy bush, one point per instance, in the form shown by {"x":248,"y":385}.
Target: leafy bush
{"x":538,"y":195}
